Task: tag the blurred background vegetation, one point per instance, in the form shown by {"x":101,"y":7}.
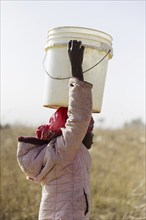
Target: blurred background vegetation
{"x":117,"y":175}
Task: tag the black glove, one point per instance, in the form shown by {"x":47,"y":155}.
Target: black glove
{"x":75,"y":52}
{"x":32,"y":140}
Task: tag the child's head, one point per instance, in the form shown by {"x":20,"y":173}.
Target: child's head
{"x":56,"y":122}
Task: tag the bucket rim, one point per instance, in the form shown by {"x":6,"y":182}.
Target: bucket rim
{"x":82,"y":28}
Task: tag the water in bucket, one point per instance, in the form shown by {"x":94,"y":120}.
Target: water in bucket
{"x":97,"y":53}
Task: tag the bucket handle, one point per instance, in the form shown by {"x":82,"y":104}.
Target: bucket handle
{"x":83,"y":71}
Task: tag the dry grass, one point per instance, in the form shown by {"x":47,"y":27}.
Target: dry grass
{"x":118,"y":168}
{"x":117,"y":177}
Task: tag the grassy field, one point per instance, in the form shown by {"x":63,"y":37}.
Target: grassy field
{"x":117,"y":177}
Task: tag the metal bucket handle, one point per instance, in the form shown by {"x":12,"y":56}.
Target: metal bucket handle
{"x":102,"y":48}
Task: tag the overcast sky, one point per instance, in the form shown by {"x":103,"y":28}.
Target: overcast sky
{"x":24,"y":27}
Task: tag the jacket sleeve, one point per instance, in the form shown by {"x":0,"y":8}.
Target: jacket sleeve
{"x":30,"y":158}
{"x":79,"y":116}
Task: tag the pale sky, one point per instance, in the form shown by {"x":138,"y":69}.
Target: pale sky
{"x":24,"y":27}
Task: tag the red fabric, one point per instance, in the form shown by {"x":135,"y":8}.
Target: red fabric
{"x":53,"y":128}
{"x":56,"y":122}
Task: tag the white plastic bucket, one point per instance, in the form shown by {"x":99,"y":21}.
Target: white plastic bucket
{"x":57,"y":65}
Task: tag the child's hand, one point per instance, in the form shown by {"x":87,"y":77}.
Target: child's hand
{"x":76,"y":52}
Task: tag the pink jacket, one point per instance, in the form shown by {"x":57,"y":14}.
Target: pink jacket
{"x":62,"y":166}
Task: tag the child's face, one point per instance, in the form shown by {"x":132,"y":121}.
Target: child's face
{"x":88,"y":140}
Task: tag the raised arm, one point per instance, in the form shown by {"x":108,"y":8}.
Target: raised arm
{"x":79,"y":106}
